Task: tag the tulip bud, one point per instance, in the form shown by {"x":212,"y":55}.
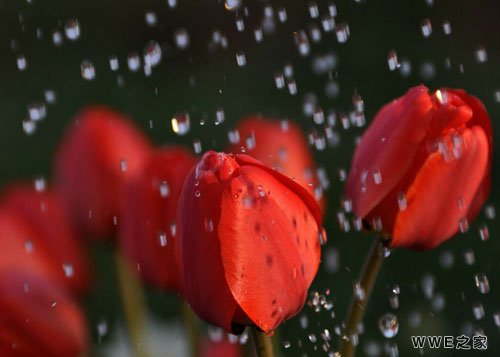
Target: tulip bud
{"x":422,"y":169}
{"x":44,"y":213}
{"x":99,"y":153}
{"x":38,"y":317}
{"x":248,"y":240}
{"x":280,"y":145}
{"x":148,"y":216}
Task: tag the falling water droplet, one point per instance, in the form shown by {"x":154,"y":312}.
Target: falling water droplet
{"x":388,"y":325}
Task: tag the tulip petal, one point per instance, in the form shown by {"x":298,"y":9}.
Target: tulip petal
{"x":44,"y":212}
{"x":280,"y":145}
{"x":299,"y":190}
{"x":441,"y":194}
{"x":147,"y":230}
{"x":95,"y":158}
{"x":198,"y":246}
{"x":387,"y":149}
{"x":40,"y":316}
{"x":269,"y":244}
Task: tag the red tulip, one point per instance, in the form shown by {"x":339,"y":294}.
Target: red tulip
{"x":96,"y":157}
{"x":222,"y":348}
{"x":248,"y":242}
{"x":422,"y":169}
{"x":148,"y":218}
{"x":38,"y":318}
{"x":23,"y":248}
{"x":281,"y":145}
{"x":44,"y":213}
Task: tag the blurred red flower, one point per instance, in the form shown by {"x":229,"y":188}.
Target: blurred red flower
{"x":249,"y":242}
{"x":422,"y":169}
{"x":98,"y":154}
{"x":38,"y":318}
{"x":43,"y":212}
{"x":282,"y":145}
{"x":148,"y":216}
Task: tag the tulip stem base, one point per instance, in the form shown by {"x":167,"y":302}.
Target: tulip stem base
{"x":192,"y":329}
{"x":133,"y":305}
{"x":361,"y":296}
{"x":262,"y":343}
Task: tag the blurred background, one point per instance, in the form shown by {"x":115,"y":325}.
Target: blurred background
{"x":284,"y":60}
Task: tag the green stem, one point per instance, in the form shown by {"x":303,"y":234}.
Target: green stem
{"x":133,"y":305}
{"x":262,"y":343}
{"x":191,"y":325}
{"x":359,"y":303}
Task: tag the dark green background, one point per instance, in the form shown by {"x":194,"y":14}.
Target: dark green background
{"x":376,"y":27}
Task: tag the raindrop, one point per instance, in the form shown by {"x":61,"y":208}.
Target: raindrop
{"x":68,"y":270}
{"x":123,"y":165}
{"x":392,"y":60}
{"x":22,"y":63}
{"x":342,"y":31}
{"x":478,"y":310}
{"x":469,"y":257}
{"x":37,"y":111}
{"x":426,"y":28}
{"x":484,"y":233}
{"x":282,"y":16}
{"x":446,"y":27}
{"x":152,"y":54}
{"x":88,"y":70}
{"x":258,"y":34}
{"x":197,"y":146}
{"x":313,"y":10}
{"x":113,"y":63}
{"x":496,"y":318}
{"x":315,"y":33}
{"x":328,"y":23}
{"x":438,"y":302}
{"x":181,"y":123}
{"x":286,"y":344}
{"x":57,"y":38}
{"x":240,"y":24}
{"x":72,"y":29}
{"x":402,"y":201}
{"x":288,"y":70}
{"x":427,"y":284}
{"x":172,"y":3}
{"x":151,"y":18}
{"x":302,"y":42}
{"x":181,"y":37}
{"x":40,"y":184}
{"x":209,"y":225}
{"x":359,"y":291}
{"x":482,"y":283}
{"x":162,"y":238}
{"x":292,"y":86}
{"x":489,"y":211}
{"x":234,"y":136}
{"x":279,"y":79}
{"x":29,"y":127}
{"x":50,"y":96}
{"x":164,"y":189}
{"x":481,"y":55}
{"x":232,"y":5}
{"x":133,"y":61}
{"x":388,"y":325}
{"x":28,"y":246}
{"x":241,"y":59}
{"x":446,"y":259}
